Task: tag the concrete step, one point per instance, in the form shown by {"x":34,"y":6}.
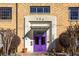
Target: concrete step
{"x":31,"y":54}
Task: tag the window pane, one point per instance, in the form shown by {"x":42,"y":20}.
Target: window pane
{"x":47,"y":10}
{"x":5,"y":12}
{"x":40,"y":10}
{"x":43,"y":40}
{"x":74,"y":14}
{"x":38,"y":33}
{"x":36,"y":40}
{"x":33,"y":10}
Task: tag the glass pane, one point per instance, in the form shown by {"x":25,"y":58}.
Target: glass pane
{"x":74,"y":14}
{"x":43,"y":40}
{"x":46,"y":9}
{"x":40,"y":10}
{"x":33,"y":10}
{"x":36,"y":40}
{"x":39,"y":32}
{"x":5,"y":13}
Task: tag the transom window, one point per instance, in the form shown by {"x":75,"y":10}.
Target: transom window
{"x":74,"y":13}
{"x":5,"y":12}
{"x":39,"y":9}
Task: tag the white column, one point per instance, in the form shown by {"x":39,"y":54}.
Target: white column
{"x":27,"y":39}
{"x":54,"y":27}
{"x":53,"y":35}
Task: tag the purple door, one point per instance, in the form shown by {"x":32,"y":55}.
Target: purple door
{"x":39,"y":41}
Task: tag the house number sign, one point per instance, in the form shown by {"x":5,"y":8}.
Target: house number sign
{"x":40,"y":19}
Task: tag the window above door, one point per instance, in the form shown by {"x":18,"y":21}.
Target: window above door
{"x":39,"y":9}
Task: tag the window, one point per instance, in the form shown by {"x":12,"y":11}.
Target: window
{"x":32,"y":10}
{"x":43,"y":40}
{"x":38,"y":33}
{"x":36,"y":40}
{"x":5,"y":12}
{"x":46,"y":9}
{"x":74,"y":13}
{"x":39,"y":9}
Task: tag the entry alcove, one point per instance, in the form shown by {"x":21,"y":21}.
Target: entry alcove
{"x":48,"y":24}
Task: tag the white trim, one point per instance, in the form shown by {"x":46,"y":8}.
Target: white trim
{"x":39,"y":18}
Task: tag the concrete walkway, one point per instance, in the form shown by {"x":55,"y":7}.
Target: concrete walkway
{"x":31,"y":54}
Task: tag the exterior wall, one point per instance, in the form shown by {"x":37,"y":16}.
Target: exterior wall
{"x":24,"y":10}
{"x":59,"y":10}
{"x":9,"y":23}
{"x":62,"y":13}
